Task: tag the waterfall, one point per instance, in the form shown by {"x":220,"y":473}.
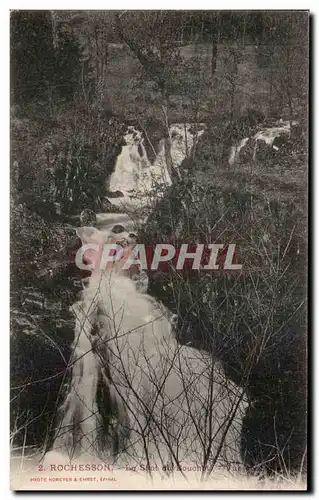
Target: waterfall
{"x":266,"y":135}
{"x":129,"y":163}
{"x":80,"y":420}
{"x":235,"y":150}
{"x":127,"y":371}
{"x":178,"y":395}
{"x":135,"y":176}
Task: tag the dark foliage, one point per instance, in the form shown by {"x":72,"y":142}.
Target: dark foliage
{"x":254,"y":321}
{"x":38,"y":370}
{"x":39,"y":71}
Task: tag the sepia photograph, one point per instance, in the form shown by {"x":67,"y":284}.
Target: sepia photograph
{"x":159,"y":250}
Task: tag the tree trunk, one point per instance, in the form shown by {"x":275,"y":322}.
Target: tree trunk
{"x":244,"y":32}
{"x":55,"y":35}
{"x":288,"y":85}
{"x":232,"y":103}
{"x":216,"y":38}
{"x":173,"y":173}
{"x":214,"y":58}
{"x":290,"y":106}
{"x":167,"y":144}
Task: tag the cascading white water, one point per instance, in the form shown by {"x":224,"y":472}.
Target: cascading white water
{"x":176,"y":394}
{"x":266,"y":135}
{"x":130,"y":163}
{"x":78,"y":434}
{"x":134,"y":175}
{"x":79,"y":416}
{"x":96,"y":354}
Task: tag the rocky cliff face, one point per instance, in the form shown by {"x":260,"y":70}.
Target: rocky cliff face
{"x":66,"y":164}
{"x":44,"y":284}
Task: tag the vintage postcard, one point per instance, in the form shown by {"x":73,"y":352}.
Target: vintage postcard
{"x":159,"y":213}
